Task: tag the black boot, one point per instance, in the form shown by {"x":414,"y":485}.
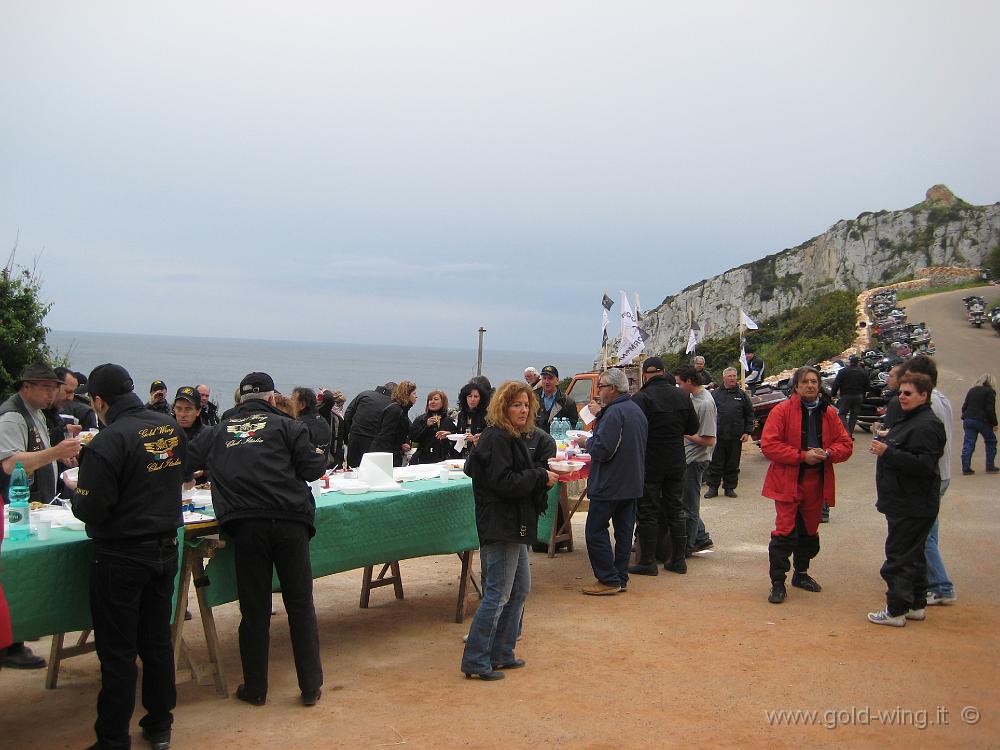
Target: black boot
{"x":677,"y":563}
{"x":647,"y":554}
{"x":662,"y":546}
{"x":778,"y":553}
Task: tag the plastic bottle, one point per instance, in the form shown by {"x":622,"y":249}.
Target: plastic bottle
{"x":17,"y":512}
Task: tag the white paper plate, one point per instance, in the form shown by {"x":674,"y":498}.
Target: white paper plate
{"x":356,"y":489}
{"x":565,"y":467}
{"x":456,"y":436}
{"x":577,"y":434}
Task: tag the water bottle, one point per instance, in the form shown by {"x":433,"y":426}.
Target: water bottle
{"x":556,"y":429}
{"x":17,"y":512}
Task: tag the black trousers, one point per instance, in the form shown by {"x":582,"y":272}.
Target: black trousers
{"x":905,"y":566}
{"x":725,"y":466}
{"x":800,"y":545}
{"x":262,"y":546}
{"x":849,"y":408}
{"x":131,"y":591}
{"x":357,"y":446}
{"x":660,"y":507}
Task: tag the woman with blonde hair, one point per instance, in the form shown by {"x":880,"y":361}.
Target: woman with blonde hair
{"x":510,"y":493}
{"x":979,"y":417}
{"x":394,"y":424}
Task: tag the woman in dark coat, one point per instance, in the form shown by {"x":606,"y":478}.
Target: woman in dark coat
{"x":979,"y":417}
{"x":473,"y":401}
{"x":510,"y":494}
{"x":430,"y":430}
{"x":908,"y":484}
{"x":320,"y":434}
{"x":394,"y":424}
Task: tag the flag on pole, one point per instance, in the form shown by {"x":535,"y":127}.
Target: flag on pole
{"x":743,"y":360}
{"x":606,"y":303}
{"x":747,"y":321}
{"x":692,"y":342}
{"x":631,"y":344}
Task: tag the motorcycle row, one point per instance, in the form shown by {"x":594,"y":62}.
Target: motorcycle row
{"x":891,"y":340}
{"x":975,"y":307}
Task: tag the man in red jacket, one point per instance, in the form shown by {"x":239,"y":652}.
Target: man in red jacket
{"x":803,"y":437}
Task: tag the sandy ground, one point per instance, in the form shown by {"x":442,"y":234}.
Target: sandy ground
{"x":697,"y":660}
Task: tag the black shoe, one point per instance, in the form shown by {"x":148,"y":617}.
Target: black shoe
{"x":157,"y":740}
{"x":516,"y":664}
{"x":311,"y":699}
{"x":712,"y":492}
{"x":730,"y":493}
{"x":489,"y":676}
{"x":968,"y":472}
{"x":993,"y":469}
{"x":21,"y":657}
{"x":777,"y":595}
{"x":807,"y":582}
{"x":645,"y":569}
{"x":702,"y":546}
{"x":253,"y":700}
{"x":824,"y":519}
{"x":187,"y":615}
{"x":676,"y":566}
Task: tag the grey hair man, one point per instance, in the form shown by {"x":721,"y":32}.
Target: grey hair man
{"x":617,"y":473}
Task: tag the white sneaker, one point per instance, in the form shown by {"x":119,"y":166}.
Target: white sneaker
{"x":882,"y":617}
{"x":933,"y":598}
{"x":916,"y":614}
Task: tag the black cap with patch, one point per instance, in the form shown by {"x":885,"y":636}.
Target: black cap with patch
{"x":256,"y":382}
{"x":550,"y":370}
{"x":157,"y":385}
{"x":188,"y":394}
{"x":652,"y":364}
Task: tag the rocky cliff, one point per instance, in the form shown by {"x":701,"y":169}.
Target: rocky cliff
{"x":874,"y":249}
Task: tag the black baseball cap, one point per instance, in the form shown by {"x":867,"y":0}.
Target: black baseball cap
{"x":652,"y":364}
{"x":109,"y":380}
{"x":157,"y":385}
{"x":188,"y":394}
{"x":550,"y":370}
{"x":256,"y":382}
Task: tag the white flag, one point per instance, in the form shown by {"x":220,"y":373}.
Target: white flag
{"x":743,"y":360}
{"x":638,"y":311}
{"x":604,"y":327}
{"x":631,"y":344}
{"x":692,"y":342}
{"x":747,"y":321}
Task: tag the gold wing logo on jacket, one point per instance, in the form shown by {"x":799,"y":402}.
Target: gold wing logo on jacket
{"x":163,"y":448}
{"x":246,"y":429}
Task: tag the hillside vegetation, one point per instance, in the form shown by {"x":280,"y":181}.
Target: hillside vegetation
{"x":811,"y":333}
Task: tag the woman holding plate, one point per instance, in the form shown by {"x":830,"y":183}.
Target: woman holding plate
{"x":431,"y":429}
{"x":510,"y":493}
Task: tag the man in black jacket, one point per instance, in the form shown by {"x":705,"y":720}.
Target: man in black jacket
{"x":735,"y":425}
{"x":552,"y":402}
{"x":158,"y":397}
{"x":850,"y":384}
{"x":361,"y":420}
{"x":129,"y":495}
{"x":260,"y":460}
{"x":209,"y":410}
{"x":671,"y":416}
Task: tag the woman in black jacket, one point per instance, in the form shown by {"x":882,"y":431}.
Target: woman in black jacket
{"x":979,"y":417}
{"x":394,"y":424}
{"x":473,"y":401}
{"x":320,"y":433}
{"x":510,"y":494}
{"x":430,"y":430}
{"x":908,"y":484}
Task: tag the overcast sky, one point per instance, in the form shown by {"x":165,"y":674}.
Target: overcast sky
{"x":404,"y":172}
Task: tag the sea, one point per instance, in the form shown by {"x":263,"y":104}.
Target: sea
{"x":221,"y":363}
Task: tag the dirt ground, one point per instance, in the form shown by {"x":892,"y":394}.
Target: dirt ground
{"x":694,"y":660}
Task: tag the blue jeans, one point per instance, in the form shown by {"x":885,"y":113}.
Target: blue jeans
{"x":937,"y":576}
{"x":693,"y":474}
{"x":506,"y":583}
{"x":973,"y":429}
{"x":610,"y":567}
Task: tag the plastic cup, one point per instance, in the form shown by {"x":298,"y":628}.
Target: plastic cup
{"x":43,"y":527}
{"x":444,"y":474}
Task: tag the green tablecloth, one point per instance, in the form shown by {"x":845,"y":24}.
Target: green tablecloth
{"x":47,"y":584}
{"x":424,"y":518}
{"x":545,"y":521}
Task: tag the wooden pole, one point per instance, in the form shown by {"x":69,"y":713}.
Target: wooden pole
{"x":743,"y":372}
